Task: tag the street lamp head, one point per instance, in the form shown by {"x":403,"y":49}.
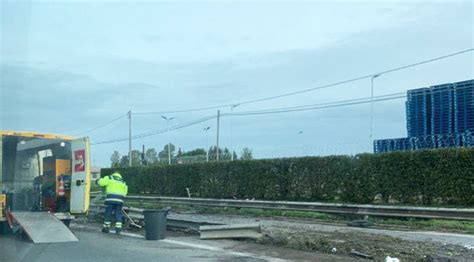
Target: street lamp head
{"x":164,"y":117}
{"x":235,"y":105}
{"x":171,"y":118}
{"x":376,"y":75}
{"x":300,"y":132}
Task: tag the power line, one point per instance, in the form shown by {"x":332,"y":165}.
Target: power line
{"x":280,"y":110}
{"x":313,"y":88}
{"x":317,"y":106}
{"x":155,"y":132}
{"x":355,"y":101}
{"x":287,"y":94}
{"x":184,"y":110}
{"x":363,"y":99}
{"x":101,"y":125}
{"x":266,"y":111}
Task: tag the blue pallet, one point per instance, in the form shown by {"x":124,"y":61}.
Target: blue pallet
{"x":464,"y":106}
{"x":442,"y":109}
{"x":417,"y":111}
{"x":428,"y":142}
{"x":437,"y":117}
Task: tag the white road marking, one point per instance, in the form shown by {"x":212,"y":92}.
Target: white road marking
{"x":129,"y":234}
{"x":211,"y":248}
{"x":200,"y":246}
{"x":443,"y":234}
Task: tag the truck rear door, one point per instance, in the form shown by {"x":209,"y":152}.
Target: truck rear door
{"x":80,"y":175}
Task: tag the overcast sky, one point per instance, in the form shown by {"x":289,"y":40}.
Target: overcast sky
{"x":68,"y":66}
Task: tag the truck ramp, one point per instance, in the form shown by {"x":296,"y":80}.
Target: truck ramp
{"x":43,"y":227}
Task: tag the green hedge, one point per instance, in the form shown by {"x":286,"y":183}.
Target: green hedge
{"x":444,"y":176}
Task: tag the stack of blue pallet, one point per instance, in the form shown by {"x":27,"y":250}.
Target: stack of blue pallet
{"x":442,"y":109}
{"x":423,"y":142}
{"x":418,"y":108}
{"x":437,"y":117}
{"x":465,"y":139}
{"x":395,"y":144}
{"x":464,"y":106}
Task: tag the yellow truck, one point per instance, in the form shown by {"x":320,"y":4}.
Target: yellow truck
{"x":43,"y":177}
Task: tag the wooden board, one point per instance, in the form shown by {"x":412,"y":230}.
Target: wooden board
{"x":43,"y":227}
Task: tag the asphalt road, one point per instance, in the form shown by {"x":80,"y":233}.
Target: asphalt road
{"x":94,"y":246}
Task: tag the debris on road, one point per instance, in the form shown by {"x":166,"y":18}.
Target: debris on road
{"x":391,"y":259}
{"x":361,"y":255}
{"x":360,"y":223}
{"x":252,"y":231}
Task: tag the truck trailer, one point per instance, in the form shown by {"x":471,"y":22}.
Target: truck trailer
{"x":44,"y":178}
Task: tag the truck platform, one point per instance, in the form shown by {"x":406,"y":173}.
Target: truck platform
{"x":43,"y":227}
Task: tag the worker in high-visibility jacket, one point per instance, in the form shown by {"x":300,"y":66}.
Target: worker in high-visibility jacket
{"x":116,"y":190}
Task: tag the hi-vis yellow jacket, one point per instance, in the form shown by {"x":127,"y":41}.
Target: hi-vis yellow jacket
{"x":115,"y":188}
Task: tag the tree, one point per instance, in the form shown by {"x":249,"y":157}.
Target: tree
{"x":224,"y":154}
{"x":246,"y":154}
{"x":136,"y":159}
{"x":164,"y":153}
{"x":235,"y":155}
{"x":151,"y":156}
{"x":124,"y":161}
{"x":196,"y":152}
{"x":115,"y":159}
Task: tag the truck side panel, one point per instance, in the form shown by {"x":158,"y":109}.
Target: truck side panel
{"x":80,"y":180}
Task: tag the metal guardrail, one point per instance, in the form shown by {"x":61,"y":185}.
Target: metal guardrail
{"x":332,"y":208}
{"x":137,"y":215}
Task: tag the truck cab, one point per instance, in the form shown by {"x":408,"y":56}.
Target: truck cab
{"x":44,"y":172}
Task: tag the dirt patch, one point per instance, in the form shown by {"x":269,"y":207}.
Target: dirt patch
{"x":376,"y":246}
{"x":341,"y":240}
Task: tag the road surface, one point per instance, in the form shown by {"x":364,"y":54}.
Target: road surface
{"x":96,"y":246}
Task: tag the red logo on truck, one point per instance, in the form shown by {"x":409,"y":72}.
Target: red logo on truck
{"x":79,"y":160}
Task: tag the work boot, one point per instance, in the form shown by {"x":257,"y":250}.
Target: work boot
{"x":106,"y":227}
{"x":118,"y":228}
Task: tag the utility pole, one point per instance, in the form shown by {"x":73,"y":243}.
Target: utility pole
{"x":372,"y":107}
{"x":143,"y":155}
{"x":231,"y":132}
{"x":168,"y":119}
{"x":217,"y":142}
{"x":130,"y":138}
{"x":206,"y":146}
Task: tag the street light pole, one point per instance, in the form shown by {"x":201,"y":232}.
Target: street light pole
{"x":231,"y":132}
{"x":168,"y":119}
{"x":130,"y":138}
{"x":372,"y":107}
{"x":217,"y":134}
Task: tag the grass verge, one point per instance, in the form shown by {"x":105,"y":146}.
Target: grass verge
{"x":402,"y":223}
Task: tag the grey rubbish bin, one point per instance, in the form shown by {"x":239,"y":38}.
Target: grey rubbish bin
{"x":155,"y":224}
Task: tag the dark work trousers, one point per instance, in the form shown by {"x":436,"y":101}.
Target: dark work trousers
{"x":113,"y":210}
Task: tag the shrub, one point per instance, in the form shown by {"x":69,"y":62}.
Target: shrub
{"x":442,"y":176}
